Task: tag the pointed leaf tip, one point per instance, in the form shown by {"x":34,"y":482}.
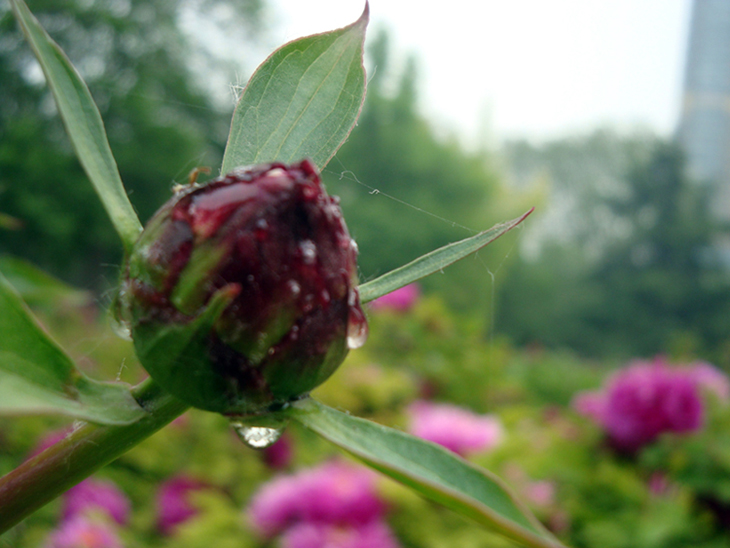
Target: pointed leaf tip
{"x":434,"y":261}
{"x":302,"y":101}
{"x":365,"y":17}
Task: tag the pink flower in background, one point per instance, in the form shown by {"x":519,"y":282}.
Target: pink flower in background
{"x":174,"y":505}
{"x":711,"y":379}
{"x":94,"y":495}
{"x":455,"y":428}
{"x":83,"y":532}
{"x":590,"y":404}
{"x":400,"y":300}
{"x":278,"y":455}
{"x":644,"y":400}
{"x":182,"y":422}
{"x":659,"y":484}
{"x":333,"y":493}
{"x":374,"y":534}
{"x":537,"y":492}
{"x":541,"y":493}
{"x":52,"y":438}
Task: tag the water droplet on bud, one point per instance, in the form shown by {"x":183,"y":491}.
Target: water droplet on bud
{"x":294,"y":287}
{"x":309,"y":192}
{"x":324,"y":297}
{"x":121,"y":328}
{"x":357,"y":325}
{"x":276,"y":172}
{"x":308,"y":251}
{"x":261,"y":230}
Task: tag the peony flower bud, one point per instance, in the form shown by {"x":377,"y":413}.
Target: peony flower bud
{"x":241,"y":294}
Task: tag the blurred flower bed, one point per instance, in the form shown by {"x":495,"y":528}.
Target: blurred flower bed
{"x":607,"y":455}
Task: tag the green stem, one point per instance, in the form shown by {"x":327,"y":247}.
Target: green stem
{"x":42,"y":478}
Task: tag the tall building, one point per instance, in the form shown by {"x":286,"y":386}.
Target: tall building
{"x":704,"y":128}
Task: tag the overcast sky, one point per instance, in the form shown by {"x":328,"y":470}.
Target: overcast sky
{"x":527,"y":68}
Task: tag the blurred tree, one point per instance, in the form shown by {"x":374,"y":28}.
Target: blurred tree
{"x":647,"y":281}
{"x":406,"y":191}
{"x":582,"y":173}
{"x":662,"y":279}
{"x":159,"y":115}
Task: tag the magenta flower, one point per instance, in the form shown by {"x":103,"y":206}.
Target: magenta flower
{"x":374,"y":534}
{"x":659,"y":484}
{"x":590,"y":404}
{"x":333,"y":493}
{"x":642,"y":401}
{"x":711,"y":379}
{"x":174,"y":505}
{"x":94,"y":495}
{"x":400,"y":300}
{"x":540,"y":493}
{"x":279,"y":454}
{"x":455,"y":428}
{"x":83,"y":532}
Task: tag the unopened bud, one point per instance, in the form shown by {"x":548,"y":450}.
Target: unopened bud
{"x":242,"y":294}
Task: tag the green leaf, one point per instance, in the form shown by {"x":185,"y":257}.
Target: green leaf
{"x":83,"y":124}
{"x":37,"y":377}
{"x":38,"y":288}
{"x":302,"y":101}
{"x":429,"y":469}
{"x":434,"y":261}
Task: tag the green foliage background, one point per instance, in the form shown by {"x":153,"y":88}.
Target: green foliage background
{"x":599,"y":498}
{"x":631,"y":260}
{"x":160,"y":120}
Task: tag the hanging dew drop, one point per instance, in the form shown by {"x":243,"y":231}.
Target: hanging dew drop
{"x":357,"y":327}
{"x":357,"y":334}
{"x":258,"y":437}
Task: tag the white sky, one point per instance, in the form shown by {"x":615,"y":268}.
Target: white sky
{"x":537,"y":69}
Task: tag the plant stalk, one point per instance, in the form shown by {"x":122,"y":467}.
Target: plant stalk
{"x":44,"y":477}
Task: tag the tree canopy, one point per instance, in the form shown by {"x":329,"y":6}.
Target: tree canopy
{"x":638,"y":272}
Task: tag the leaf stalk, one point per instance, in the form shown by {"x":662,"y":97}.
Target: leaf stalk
{"x":42,"y":478}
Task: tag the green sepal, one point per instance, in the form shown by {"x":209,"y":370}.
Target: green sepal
{"x":176,"y":354}
{"x":191,"y":288}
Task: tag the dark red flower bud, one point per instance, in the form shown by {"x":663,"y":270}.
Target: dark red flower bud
{"x":242,"y":294}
